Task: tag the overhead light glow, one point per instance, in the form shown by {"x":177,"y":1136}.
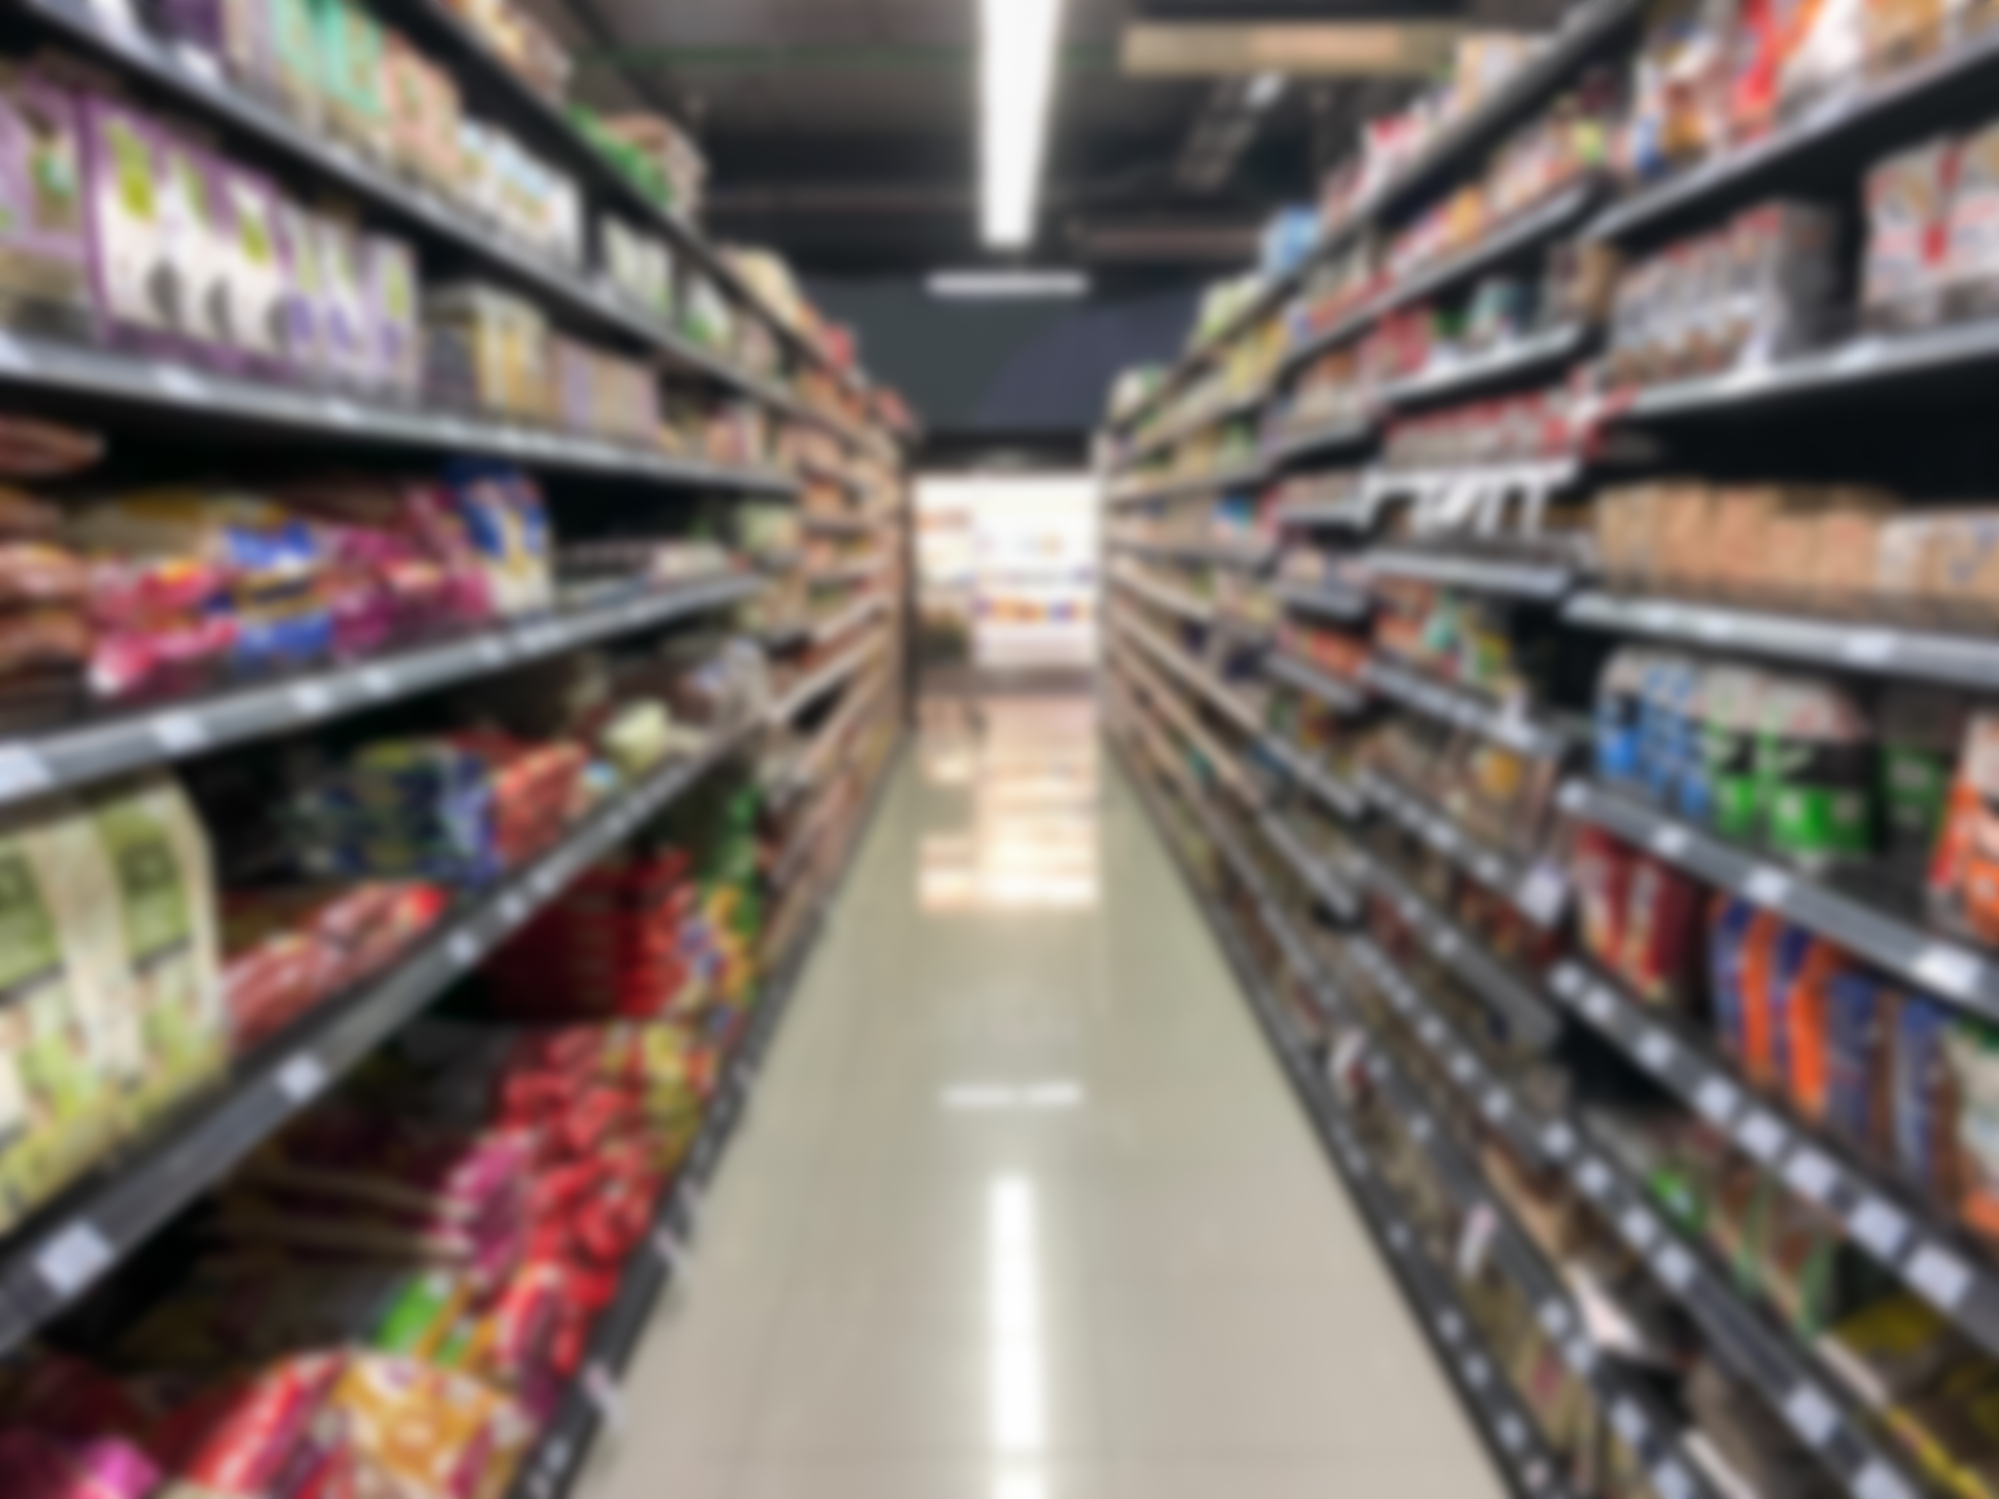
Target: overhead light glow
{"x":1264,"y":90}
{"x":1017,"y":80}
{"x":998,"y":286}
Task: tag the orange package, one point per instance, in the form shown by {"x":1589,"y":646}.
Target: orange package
{"x":1807,"y":1020}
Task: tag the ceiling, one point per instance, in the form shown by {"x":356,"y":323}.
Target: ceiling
{"x":844,"y":131}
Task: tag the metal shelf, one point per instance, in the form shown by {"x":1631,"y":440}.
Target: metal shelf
{"x":1330,"y":790}
{"x":1527,"y":231}
{"x":1325,"y":883}
{"x":1172,"y":600}
{"x":1232,"y":409}
{"x":1467,"y":710}
{"x":184,"y":396}
{"x":1846,"y":645}
{"x":32,"y":765}
{"x":1882,"y":1219}
{"x":1327,"y":441}
{"x":1328,"y":599}
{"x":593,"y":1400}
{"x":846,"y":618}
{"x":47,"y":1267}
{"x":1516,"y":999}
{"x":1341,"y":697}
{"x":1536,"y":355}
{"x":1857,"y":368}
{"x":1203,"y":682}
{"x":1239,"y":476}
{"x":1844,"y":131}
{"x":1749,"y":1346}
{"x":822,"y":681}
{"x":1253,"y":558}
{"x":1542,"y":582}
{"x":1900,"y":944}
{"x":1536,"y":889}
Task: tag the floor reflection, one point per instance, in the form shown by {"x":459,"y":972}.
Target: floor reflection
{"x":1029,"y":768}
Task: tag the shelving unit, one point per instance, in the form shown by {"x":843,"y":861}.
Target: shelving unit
{"x":1451,"y":971}
{"x":776,"y":397}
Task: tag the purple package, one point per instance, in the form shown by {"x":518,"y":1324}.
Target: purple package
{"x":144,"y":192}
{"x":346,"y":332}
{"x":259,"y":278}
{"x":36,"y":1466}
{"x":196,"y":22}
{"x":305,"y":311}
{"x":392,"y":311}
{"x":44,"y":227}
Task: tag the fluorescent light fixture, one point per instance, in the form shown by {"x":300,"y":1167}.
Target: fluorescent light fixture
{"x":1001,"y":286}
{"x":1017,"y":82}
{"x":1264,"y":90}
{"x":1019,"y":1409}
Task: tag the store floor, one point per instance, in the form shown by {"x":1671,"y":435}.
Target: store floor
{"x":1023,"y":1208}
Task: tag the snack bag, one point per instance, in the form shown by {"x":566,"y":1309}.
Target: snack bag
{"x":159,"y":855}
{"x":423,"y":1433}
{"x":1807,"y":1017}
{"x":1972,"y":1048}
{"x":1815,"y":771}
{"x":1730,"y":920}
{"x":1660,"y":955}
{"x":1861,"y":1019}
{"x":237,"y":1439}
{"x":1924,"y":1127}
{"x":1731,"y":799}
{"x":1757,"y":994}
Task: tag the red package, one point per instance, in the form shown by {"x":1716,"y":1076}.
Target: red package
{"x":1662,"y":948}
{"x":1601,"y":869}
{"x":237,"y":1438}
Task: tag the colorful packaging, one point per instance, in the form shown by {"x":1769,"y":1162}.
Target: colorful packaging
{"x":1972,"y":1049}
{"x":1908,"y":195}
{"x":1730,"y":924}
{"x":1661,"y":951}
{"x":424,"y":1433}
{"x":1620,"y":717}
{"x":1924,"y":1122}
{"x":1729,"y":797}
{"x":1861,"y":1020}
{"x":44,"y":242}
{"x":1815,"y":773}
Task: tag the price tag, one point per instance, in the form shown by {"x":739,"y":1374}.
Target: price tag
{"x":1675,"y":1266}
{"x":1595,"y":1179}
{"x":13,"y":353}
{"x":1641,"y":1230}
{"x":1875,"y":1481}
{"x":1558,"y":1140}
{"x":181,"y":384}
{"x":379,"y":683}
{"x":73,"y":1259}
{"x":1573,"y":797}
{"x":343,"y":413}
{"x":1451,"y":1328}
{"x":1599,"y":1006}
{"x":1879,"y":1225}
{"x":1493,"y":873}
{"x":602,"y":1392}
{"x":1947,"y":969}
{"x":491,"y":652}
{"x":1554,"y":1319}
{"x":1630,"y":1424}
{"x":672,"y":1253}
{"x":1543,"y":895}
{"x":178,"y":733}
{"x":1869,"y":648}
{"x":1670,"y":1481}
{"x":1811,"y":1175}
{"x":1811,"y":1415}
{"x":1352,"y":1046}
{"x":302,"y":1078}
{"x":464,"y":949}
{"x":1655,"y":1050}
{"x":1762,"y":1136}
{"x":1669,"y":840}
{"x":1497,"y":1106}
{"x":1478,"y":1373}
{"x":311,"y":699}
{"x":1941,"y":1276}
{"x":1718,"y":1099}
{"x":1462,"y":1068}
{"x":1512,"y":1434}
{"x":547,"y":880}
{"x":1767,"y":887}
{"x":22,"y":772}
{"x":1475,"y":1245}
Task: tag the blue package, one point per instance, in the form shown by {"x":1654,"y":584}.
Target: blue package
{"x":1619,"y":718}
{"x":1917,"y":1084}
{"x":1730,"y":930}
{"x":1794,"y":945}
{"x":1859,"y":1008}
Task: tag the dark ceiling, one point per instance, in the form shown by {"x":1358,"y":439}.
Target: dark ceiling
{"x":845,"y":132}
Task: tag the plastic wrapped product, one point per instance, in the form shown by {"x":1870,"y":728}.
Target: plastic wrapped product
{"x":1923,"y":1097}
{"x":1815,"y":770}
{"x":1667,"y":734}
{"x":164,"y":876}
{"x":1908,"y":198}
{"x":237,"y":1439}
{"x":1860,"y":1022}
{"x":1619,"y":710}
{"x":1660,"y":955}
{"x":1964,"y":870}
{"x":38,"y":1465}
{"x":44,"y":243}
{"x":396,"y":328}
{"x":422,"y":1433}
{"x":1750,"y":965}
{"x":1971,"y":251}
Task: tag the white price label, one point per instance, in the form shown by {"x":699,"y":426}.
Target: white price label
{"x":379,"y":683}
{"x":1762,"y":1136}
{"x":1875,"y":1481}
{"x":603,"y":1393}
{"x":1670,"y":1481}
{"x":513,"y":908}
{"x":1512,"y":1434}
{"x":1573,"y":796}
{"x":1811,"y":1415}
{"x":311,"y":699}
{"x":1869,"y":648}
{"x":1595,"y":1179}
{"x":1451,"y":1328}
{"x":1718,"y":1099}
{"x":1567,"y":980}
{"x":343,"y":413}
{"x":73,"y":1259}
{"x":178,"y":733}
{"x":1641,"y":1230}
{"x":1669,"y":840}
{"x":464,"y":949}
{"x":492,"y":652}
{"x":181,"y":384}
{"x":1558,"y":1140}
{"x":1478,"y":1373}
{"x":1554,"y":1319}
{"x":1630,"y":1424}
{"x":1481,"y":1227}
{"x":1881,"y":1226}
{"x":302,"y":1078}
{"x":1941,"y":1276}
{"x":1675,"y":1266}
{"x":1767,"y":886}
{"x":1811,"y":1175}
{"x":13,"y":353}
{"x":1599,"y":1006}
{"x":1947,"y":969}
{"x":22,"y":772}
{"x":1462,"y":1068}
{"x":1655,"y":1050}
{"x":1497,"y":1106}
{"x":1543,"y":895}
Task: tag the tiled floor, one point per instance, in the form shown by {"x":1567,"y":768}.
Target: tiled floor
{"x":1023,"y":1208}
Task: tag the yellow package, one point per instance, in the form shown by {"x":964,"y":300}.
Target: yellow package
{"x":424,"y":1433}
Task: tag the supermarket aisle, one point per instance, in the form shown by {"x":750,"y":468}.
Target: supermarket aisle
{"x":1023,"y":1208}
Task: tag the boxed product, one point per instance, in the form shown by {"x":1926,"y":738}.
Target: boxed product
{"x":502,"y":341}
{"x":150,"y":241}
{"x":45,"y":263}
{"x":1971,"y":229}
{"x":1908,"y":201}
{"x":1964,"y":870}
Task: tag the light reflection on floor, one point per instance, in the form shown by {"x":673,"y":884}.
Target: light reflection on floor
{"x":1028,"y":767}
